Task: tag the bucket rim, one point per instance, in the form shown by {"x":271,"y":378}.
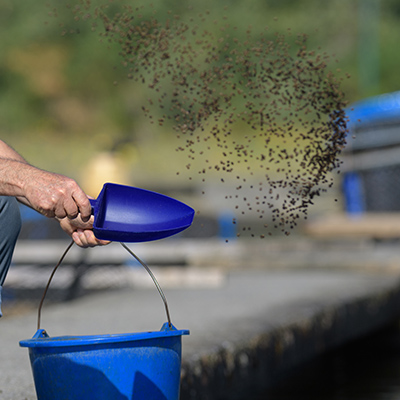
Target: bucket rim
{"x":41,"y":339}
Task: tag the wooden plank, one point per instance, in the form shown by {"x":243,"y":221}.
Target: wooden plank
{"x":367,"y":225}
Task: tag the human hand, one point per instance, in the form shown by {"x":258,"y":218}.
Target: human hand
{"x":81,"y":232}
{"x":55,"y":195}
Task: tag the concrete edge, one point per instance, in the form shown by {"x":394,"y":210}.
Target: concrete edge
{"x":233,"y":370}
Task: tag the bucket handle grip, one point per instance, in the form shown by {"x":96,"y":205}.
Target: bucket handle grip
{"x":160,"y":291}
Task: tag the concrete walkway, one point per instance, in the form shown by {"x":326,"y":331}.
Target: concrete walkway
{"x":244,"y":333}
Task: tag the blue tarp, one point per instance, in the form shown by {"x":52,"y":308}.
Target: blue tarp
{"x":384,"y":107}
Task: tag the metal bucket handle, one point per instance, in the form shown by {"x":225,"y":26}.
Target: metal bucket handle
{"x":132,"y":254}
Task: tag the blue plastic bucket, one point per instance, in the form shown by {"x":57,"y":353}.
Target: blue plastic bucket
{"x":137,"y":366}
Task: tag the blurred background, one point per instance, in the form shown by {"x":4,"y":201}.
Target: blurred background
{"x":67,"y":106}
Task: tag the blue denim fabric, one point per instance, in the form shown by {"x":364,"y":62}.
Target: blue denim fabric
{"x":10,"y":225}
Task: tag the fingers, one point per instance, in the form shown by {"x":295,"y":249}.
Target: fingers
{"x":80,"y":239}
{"x":74,"y":202}
{"x":86,"y":238}
{"x":83,"y":205}
{"x":81,"y":232}
{"x":63,"y":210}
{"x":65,"y":207}
{"x":70,"y":208}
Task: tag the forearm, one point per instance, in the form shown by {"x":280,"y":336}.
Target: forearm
{"x":51,"y":194}
{"x":14,"y":170}
{"x":13,"y":176}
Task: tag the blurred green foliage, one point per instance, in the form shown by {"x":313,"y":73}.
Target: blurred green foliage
{"x":64,"y":94}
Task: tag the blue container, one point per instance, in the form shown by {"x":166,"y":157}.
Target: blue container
{"x":353,"y":193}
{"x":130,"y":366}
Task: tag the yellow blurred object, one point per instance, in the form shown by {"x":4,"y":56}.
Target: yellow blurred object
{"x":104,"y":167}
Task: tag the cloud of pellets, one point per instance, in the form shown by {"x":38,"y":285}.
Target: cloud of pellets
{"x":271,"y":107}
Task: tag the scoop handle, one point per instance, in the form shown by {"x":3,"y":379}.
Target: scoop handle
{"x":93,"y":203}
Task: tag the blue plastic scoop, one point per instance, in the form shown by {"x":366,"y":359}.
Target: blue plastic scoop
{"x":129,"y":214}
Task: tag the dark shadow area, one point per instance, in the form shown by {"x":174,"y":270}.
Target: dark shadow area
{"x":64,"y":379}
{"x":145,"y":389}
{"x":368,"y":368}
